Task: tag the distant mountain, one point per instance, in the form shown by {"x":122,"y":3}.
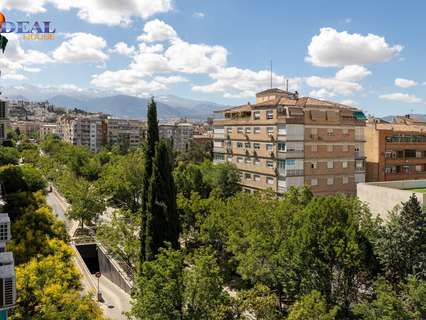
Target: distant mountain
{"x":134,"y":107}
{"x":415,"y":116}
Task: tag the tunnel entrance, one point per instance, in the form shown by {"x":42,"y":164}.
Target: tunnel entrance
{"x":89,"y":254}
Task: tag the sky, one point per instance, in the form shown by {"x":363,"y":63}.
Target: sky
{"x":369,"y":54}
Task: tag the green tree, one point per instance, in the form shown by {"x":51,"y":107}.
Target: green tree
{"x":409,"y":302}
{"x":312,"y":307}
{"x":23,"y":178}
{"x":121,"y":179}
{"x":188,"y":178}
{"x":49,"y":289}
{"x":8,"y":155}
{"x":120,"y":236}
{"x":86,"y":203}
{"x":32,"y":232}
{"x":151,"y":142}
{"x":401,"y":245}
{"x":159,"y":293}
{"x":222,"y":178}
{"x":162,"y":219}
{"x":332,"y":249}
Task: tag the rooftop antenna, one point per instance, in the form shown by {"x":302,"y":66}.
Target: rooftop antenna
{"x":271,"y":74}
{"x":286,"y":85}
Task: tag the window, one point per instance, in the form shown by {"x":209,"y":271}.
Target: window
{"x":345,"y":131}
{"x":314,"y":182}
{"x":248,"y":130}
{"x":256,"y":162}
{"x":344,"y":164}
{"x":281,"y":146}
{"x":247,"y":175}
{"x":256,"y":115}
{"x":330,"y":181}
{"x":256,"y":177}
{"x":247,"y":145}
{"x":240,"y":159}
{"x":329,"y":132}
{"x":345,"y":180}
{"x":314,"y":131}
{"x":269,"y":163}
{"x":270,"y":181}
{"x":281,"y":164}
{"x":219,"y":156}
{"x":240,"y":130}
{"x":256,"y":130}
{"x":330,"y":164}
{"x":270,"y":130}
{"x":345,"y":148}
{"x":314,"y":148}
{"x":229,"y":130}
{"x":330,"y":148}
{"x":256,"y":145}
{"x":269,"y":115}
{"x":314,"y":165}
{"x":290,"y":162}
{"x":419,"y":168}
{"x":239,"y":144}
{"x":269,"y":146}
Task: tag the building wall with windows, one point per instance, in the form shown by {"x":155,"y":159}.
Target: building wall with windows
{"x":284,"y":141}
{"x":180,"y":133}
{"x":397,"y":150}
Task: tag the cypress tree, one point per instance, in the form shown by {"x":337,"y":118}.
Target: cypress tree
{"x":151,"y":142}
{"x":162,"y":220}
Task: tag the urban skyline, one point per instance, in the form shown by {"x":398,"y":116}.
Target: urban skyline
{"x":135,"y":49}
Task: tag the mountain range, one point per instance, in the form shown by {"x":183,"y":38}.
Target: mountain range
{"x":118,"y":105}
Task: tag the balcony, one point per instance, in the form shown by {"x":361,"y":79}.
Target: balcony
{"x":219,"y":149}
{"x":359,"y":155}
{"x":290,"y":172}
{"x":299,"y":154}
{"x":359,"y":170}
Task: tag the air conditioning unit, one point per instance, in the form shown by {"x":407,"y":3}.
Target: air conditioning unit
{"x":7,"y":281}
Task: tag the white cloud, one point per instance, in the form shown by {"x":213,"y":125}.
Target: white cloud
{"x":109,"y":12}
{"x":199,"y":15}
{"x":14,"y":76}
{"x":331,"y":48}
{"x":401,"y":97}
{"x":332,"y":87}
{"x":352,"y":73}
{"x":156,"y":48}
{"x":234,"y":82}
{"x":349,"y":103}
{"x":157,"y":30}
{"x":170,"y":80}
{"x":123,"y":49}
{"x":405,"y":83}
{"x":81,"y":47}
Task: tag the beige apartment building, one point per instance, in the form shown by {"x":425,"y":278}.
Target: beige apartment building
{"x":285,"y":140}
{"x":124,"y":132}
{"x":396,"y":150}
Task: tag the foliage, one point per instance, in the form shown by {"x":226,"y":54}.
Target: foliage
{"x":387,"y":304}
{"x":162,"y":220}
{"x":197,"y":153}
{"x":312,"y":307}
{"x":32,"y":232}
{"x":223,"y":178}
{"x":401,"y":245}
{"x":120,"y":181}
{"x":23,"y":178}
{"x":121,"y":235}
{"x":8,"y":155}
{"x":188,"y":178}
{"x":260,"y":302}
{"x":168,"y":290}
{"x":87,"y":203}
{"x":49,"y":288}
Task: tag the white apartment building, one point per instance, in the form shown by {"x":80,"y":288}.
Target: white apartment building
{"x":180,"y":133}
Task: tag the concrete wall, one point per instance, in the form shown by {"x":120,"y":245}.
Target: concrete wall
{"x":112,"y":272}
{"x":382,"y":197}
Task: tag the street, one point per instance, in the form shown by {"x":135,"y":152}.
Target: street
{"x":115,"y":300}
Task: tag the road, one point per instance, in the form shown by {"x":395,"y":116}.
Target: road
{"x":115,"y":300}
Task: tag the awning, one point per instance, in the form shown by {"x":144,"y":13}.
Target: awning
{"x":359,"y":115}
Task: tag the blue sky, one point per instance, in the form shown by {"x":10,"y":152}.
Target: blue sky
{"x":365,"y":53}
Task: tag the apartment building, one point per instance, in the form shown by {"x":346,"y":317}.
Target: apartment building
{"x":81,"y":130}
{"x":130,"y":133}
{"x":285,"y":140}
{"x":179,"y":132}
{"x":27,"y":128}
{"x":4,"y":120}
{"x":48,"y":129}
{"x":396,"y":150}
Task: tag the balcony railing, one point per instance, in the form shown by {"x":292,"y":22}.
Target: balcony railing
{"x":359,"y":154}
{"x":290,"y":172}
{"x":290,"y":154}
{"x":357,"y":169}
{"x":219,"y":149}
